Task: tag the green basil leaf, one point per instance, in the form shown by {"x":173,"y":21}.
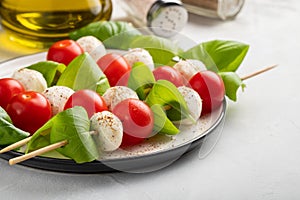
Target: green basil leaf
{"x":72,"y":125}
{"x":9,"y":134}
{"x":50,"y":70}
{"x":166,"y":94}
{"x":110,"y":33}
{"x":162,"y":124}
{"x":232,"y":83}
{"x":219,"y":55}
{"x":162,"y":50}
{"x":4,"y":115}
{"x":84,"y":73}
{"x":141,"y":80}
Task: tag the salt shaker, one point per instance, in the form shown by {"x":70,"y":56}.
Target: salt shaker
{"x":163,"y":17}
{"x":223,"y":9}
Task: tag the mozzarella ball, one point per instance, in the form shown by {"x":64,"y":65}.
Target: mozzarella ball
{"x":189,"y":68}
{"x":93,"y":46}
{"x":58,"y":96}
{"x":139,"y":55}
{"x":31,"y":79}
{"x":116,"y":94}
{"x":108,"y":131}
{"x":194,"y":103}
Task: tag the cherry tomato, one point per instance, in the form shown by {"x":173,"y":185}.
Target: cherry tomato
{"x":29,"y":111}
{"x":114,"y":66}
{"x":123,"y":81}
{"x":90,"y":100}
{"x":210,"y":87}
{"x":64,"y":51}
{"x":168,"y":73}
{"x":9,"y":87}
{"x":137,"y":119}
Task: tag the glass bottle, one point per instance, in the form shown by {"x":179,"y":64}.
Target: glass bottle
{"x":163,"y":17}
{"x":223,"y":9}
{"x":38,"y":23}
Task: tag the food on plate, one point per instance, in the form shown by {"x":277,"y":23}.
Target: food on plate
{"x":211,"y":89}
{"x":115,"y":95}
{"x":139,"y":55}
{"x":84,"y":73}
{"x":108,"y":131}
{"x":187,"y":69}
{"x":64,"y":51}
{"x":193,"y":102}
{"x":93,"y":46}
{"x":9,"y":87}
{"x":9,"y":134}
{"x":69,"y":129}
{"x":57,"y":96}
{"x":90,"y":100}
{"x":137,"y":119}
{"x":29,"y":110}
{"x":31,"y":79}
{"x":168,"y":73}
{"x":114,"y":66}
{"x":104,"y":102}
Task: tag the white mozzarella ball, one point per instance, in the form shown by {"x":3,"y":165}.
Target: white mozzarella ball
{"x":116,"y":94}
{"x":193,"y":101}
{"x":139,"y":55}
{"x":58,"y":96}
{"x":189,"y":68}
{"x":93,"y":46}
{"x":108,"y":131}
{"x":31,"y":79}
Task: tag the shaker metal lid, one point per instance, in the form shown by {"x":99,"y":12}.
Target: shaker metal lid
{"x":166,"y":17}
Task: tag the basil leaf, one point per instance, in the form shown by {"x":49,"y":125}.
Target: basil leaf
{"x":166,"y":94}
{"x":4,"y":115}
{"x":232,"y":83}
{"x":219,"y":55}
{"x":84,"y":73}
{"x":161,"y":122}
{"x":162,"y":50}
{"x":110,"y":33}
{"x":50,"y":70}
{"x":9,"y":134}
{"x":199,"y":53}
{"x":141,"y":80}
{"x":72,"y":125}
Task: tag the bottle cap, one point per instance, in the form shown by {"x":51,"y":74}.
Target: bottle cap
{"x":166,"y":18}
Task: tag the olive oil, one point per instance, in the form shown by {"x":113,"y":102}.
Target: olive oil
{"x":38,"y":23}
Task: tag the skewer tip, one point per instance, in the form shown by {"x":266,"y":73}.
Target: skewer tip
{"x":259,"y":72}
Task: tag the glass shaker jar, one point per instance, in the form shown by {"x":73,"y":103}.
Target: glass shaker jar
{"x":38,"y":24}
{"x":163,"y":17}
{"x":223,"y":9}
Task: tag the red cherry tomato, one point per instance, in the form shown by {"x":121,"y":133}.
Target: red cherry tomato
{"x":123,"y":81}
{"x":114,"y":66}
{"x":137,"y":119}
{"x":168,"y":73}
{"x":29,"y":111}
{"x":9,"y":87}
{"x":210,"y":87}
{"x":90,"y":100}
{"x":64,"y":51}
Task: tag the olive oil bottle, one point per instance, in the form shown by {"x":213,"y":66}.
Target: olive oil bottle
{"x":38,"y":23}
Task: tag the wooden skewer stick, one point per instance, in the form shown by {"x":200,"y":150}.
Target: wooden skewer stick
{"x":15,"y":145}
{"x":37,"y":152}
{"x":258,"y":72}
